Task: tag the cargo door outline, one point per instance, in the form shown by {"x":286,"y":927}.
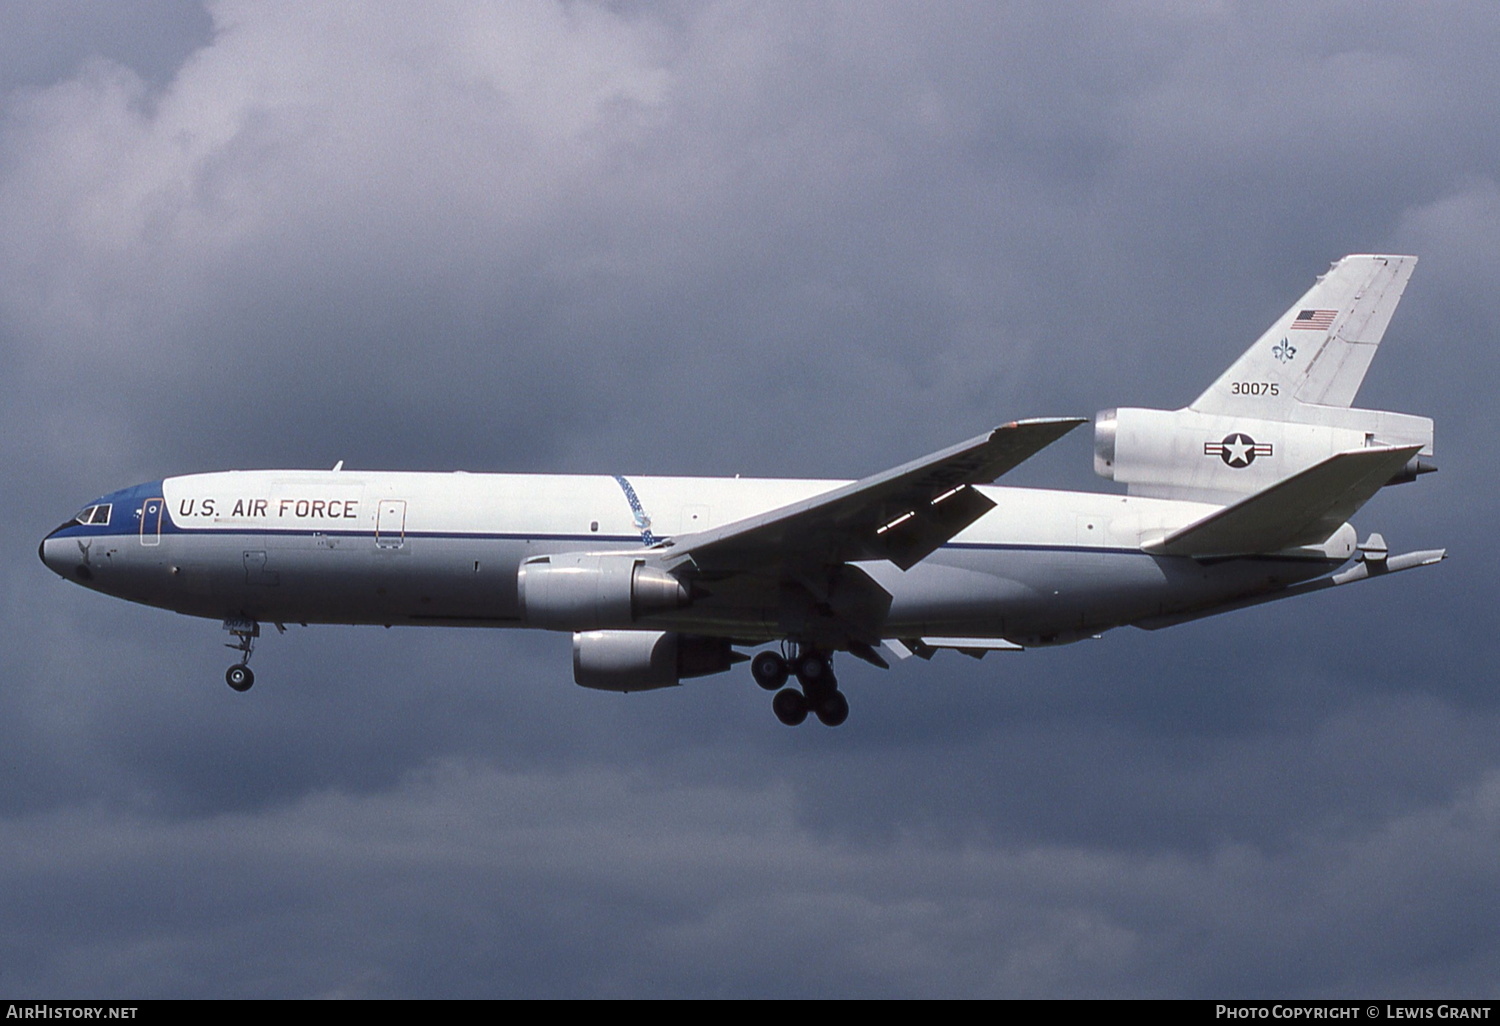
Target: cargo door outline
{"x":390,"y":524}
{"x":151,"y":514}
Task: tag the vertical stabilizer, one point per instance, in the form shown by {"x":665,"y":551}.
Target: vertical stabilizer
{"x":1318,"y":351}
{"x":1282,"y":407}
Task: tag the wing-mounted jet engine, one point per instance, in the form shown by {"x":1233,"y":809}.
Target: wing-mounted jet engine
{"x":645,"y":660}
{"x":586,"y":591}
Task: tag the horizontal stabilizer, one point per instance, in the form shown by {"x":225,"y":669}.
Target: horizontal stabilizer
{"x":1305,"y":509}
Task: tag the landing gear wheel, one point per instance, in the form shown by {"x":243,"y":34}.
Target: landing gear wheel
{"x":814,"y":669}
{"x":790,"y":706}
{"x":239,"y":676}
{"x":832,"y":709}
{"x":769,"y":670}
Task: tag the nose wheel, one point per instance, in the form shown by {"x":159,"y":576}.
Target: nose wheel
{"x":239,"y":676}
{"x":817,"y":692}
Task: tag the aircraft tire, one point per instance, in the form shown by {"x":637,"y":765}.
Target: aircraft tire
{"x":790,"y":706}
{"x":769,"y":670}
{"x":240,"y":677}
{"x":815,"y":670}
{"x":832,"y":709}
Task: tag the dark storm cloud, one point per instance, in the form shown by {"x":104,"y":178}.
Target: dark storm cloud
{"x":601,"y":882}
{"x":799,"y":239}
{"x":44,"y":42}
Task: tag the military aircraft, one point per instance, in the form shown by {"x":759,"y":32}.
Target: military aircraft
{"x":1239,"y":498}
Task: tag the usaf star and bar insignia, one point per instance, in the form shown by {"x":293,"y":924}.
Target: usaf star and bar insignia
{"x":1237,"y":449}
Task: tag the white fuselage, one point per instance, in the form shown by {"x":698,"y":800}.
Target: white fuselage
{"x":428,"y":548}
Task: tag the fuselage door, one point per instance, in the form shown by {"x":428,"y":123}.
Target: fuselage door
{"x":390,"y":524}
{"x":151,"y":512}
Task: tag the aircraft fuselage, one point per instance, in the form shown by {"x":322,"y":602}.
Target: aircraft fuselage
{"x":431,"y":548}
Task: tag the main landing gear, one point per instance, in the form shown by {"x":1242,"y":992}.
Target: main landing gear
{"x":240,"y":676}
{"x":819,"y":693}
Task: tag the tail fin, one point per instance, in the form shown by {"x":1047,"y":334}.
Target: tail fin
{"x":1282,"y":407}
{"x":1318,"y":351}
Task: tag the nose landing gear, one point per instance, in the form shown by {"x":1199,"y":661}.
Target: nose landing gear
{"x":818,"y":694}
{"x":240,"y":676}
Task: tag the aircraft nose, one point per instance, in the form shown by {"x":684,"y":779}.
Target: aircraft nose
{"x":63,"y":556}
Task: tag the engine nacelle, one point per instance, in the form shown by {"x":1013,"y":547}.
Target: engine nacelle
{"x":642,"y":660}
{"x":581,"y":591}
{"x":1185,"y":454}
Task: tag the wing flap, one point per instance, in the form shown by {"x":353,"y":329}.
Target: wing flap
{"x":920,"y":531}
{"x":1305,"y":509}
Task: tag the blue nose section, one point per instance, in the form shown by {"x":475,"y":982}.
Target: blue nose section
{"x":75,"y":551}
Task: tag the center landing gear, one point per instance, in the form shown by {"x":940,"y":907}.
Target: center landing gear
{"x":240,"y":676}
{"x":819,"y":692}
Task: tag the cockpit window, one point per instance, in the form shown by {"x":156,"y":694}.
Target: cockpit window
{"x":96,"y":515}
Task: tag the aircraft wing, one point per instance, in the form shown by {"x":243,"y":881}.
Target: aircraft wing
{"x":1304,"y":509}
{"x":902,"y":514}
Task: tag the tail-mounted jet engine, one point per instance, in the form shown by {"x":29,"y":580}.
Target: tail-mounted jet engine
{"x":585,"y":591}
{"x":1220,"y":457}
{"x":642,"y":660}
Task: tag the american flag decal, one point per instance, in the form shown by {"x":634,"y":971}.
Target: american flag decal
{"x":1314,"y":320}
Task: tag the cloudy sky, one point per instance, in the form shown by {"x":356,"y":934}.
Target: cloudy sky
{"x":810,"y":239}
